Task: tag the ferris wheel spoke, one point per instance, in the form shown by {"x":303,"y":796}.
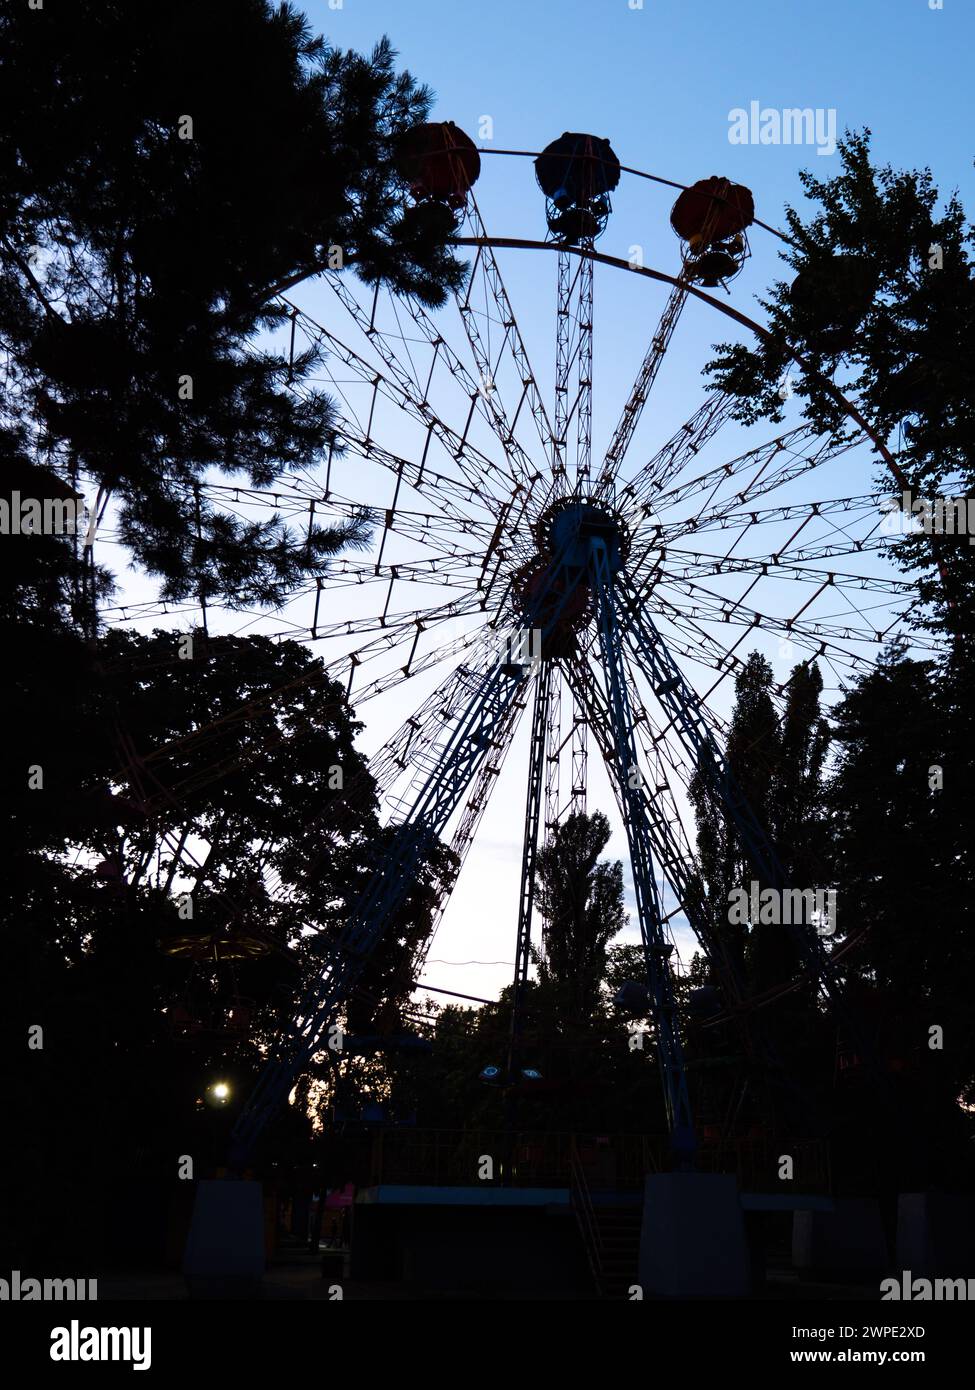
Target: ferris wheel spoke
{"x":733,"y":512}
{"x":700,"y":647}
{"x":397,"y":628}
{"x":400,"y":622}
{"x":486,"y":269}
{"x":822,"y":635}
{"x":769,"y":560}
{"x":866,"y":504}
{"x":140,"y":612}
{"x":694,"y":565}
{"x":734,"y":610}
{"x":423,"y":479}
{"x":432,"y":531}
{"x":674,"y":456}
{"x":417,"y":736}
{"x":785,"y":562}
{"x":454,"y":563}
{"x":697,"y":645}
{"x":483,"y":394}
{"x":640,"y":391}
{"x":584,"y":399}
{"x":432,"y":485}
{"x":480,"y":473}
{"x":795,"y":464}
{"x":416,"y":389}
{"x":486,"y":395}
{"x":573,"y":368}
{"x":305,"y":498}
{"x":841,"y":542}
{"x":415,"y":665}
{"x":440,"y":569}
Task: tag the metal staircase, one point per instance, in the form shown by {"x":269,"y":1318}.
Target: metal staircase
{"x":610,"y":1234}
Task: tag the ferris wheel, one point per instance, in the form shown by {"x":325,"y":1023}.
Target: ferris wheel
{"x":609,"y":600}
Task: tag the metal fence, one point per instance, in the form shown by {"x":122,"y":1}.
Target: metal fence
{"x":445,"y":1157}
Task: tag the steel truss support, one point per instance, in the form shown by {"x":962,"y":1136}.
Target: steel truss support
{"x":477,"y":801}
{"x":580,"y":757}
{"x":553,"y":752}
{"x":575,"y":739}
{"x":656,"y":949}
{"x":679,"y":869}
{"x":666,"y":833}
{"x":548,"y":676}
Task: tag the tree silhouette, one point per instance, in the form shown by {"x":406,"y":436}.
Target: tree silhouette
{"x":580,"y":901}
{"x":883,"y":307}
{"x":243,"y":789}
{"x":903,"y":851}
{"x":163,"y":173}
{"x":778,"y":762}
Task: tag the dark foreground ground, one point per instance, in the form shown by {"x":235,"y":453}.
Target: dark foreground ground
{"x":296,"y":1273}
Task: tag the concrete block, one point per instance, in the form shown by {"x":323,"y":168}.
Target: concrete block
{"x":224,"y":1256}
{"x":936,"y":1234}
{"x":692,"y":1244}
{"x":847,"y":1240}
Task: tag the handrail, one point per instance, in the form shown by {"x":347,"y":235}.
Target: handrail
{"x":581,"y":1203}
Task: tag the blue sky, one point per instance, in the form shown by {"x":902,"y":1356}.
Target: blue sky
{"x":660,"y":81}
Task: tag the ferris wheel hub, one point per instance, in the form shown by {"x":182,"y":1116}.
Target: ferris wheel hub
{"x":567,"y":534}
{"x":573,"y":524}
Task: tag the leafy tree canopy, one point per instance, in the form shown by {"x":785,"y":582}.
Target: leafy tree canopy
{"x":882,"y":306}
{"x":164,"y":171}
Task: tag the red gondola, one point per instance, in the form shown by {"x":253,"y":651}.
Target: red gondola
{"x":712,"y":210}
{"x":439,"y":162}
